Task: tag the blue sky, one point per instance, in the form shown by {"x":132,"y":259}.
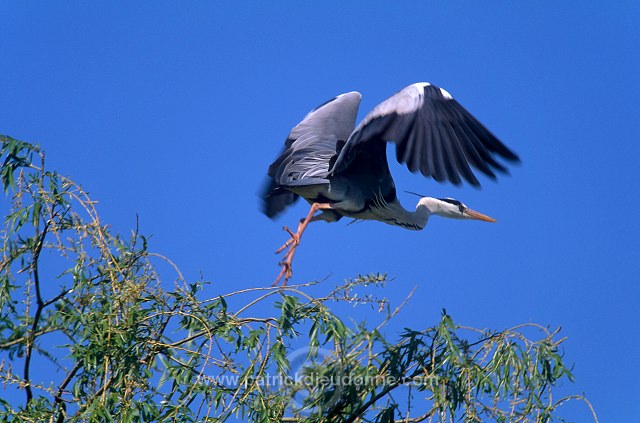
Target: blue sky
{"x":174,"y":111}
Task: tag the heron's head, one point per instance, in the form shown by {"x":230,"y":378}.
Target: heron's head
{"x":448,"y":207}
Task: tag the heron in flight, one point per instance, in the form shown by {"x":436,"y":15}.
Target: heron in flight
{"x":342,"y":171}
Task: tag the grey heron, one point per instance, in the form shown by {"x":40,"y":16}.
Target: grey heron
{"x":342,"y":171}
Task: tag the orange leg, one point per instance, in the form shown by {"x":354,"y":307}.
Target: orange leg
{"x":294,"y":241}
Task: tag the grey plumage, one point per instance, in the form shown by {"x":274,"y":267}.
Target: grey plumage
{"x":309,"y":149}
{"x":326,"y":160}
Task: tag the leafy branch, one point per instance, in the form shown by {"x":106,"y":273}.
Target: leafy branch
{"x":134,"y":341}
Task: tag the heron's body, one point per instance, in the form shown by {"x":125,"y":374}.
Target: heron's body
{"x":352,"y":198}
{"x":343,"y":168}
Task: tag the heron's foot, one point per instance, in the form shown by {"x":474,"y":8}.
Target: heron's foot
{"x":294,"y":240}
{"x":287,"y":271}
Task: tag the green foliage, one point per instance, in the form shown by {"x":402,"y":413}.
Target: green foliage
{"x":124,"y":344}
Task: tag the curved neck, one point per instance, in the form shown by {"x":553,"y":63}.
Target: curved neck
{"x":420,"y":217}
{"x":394,"y":214}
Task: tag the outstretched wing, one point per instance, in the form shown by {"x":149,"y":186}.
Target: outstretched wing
{"x":309,"y":149}
{"x":433,"y":134}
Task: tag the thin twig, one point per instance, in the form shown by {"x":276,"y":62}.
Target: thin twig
{"x":63,"y":385}
{"x":36,"y":318}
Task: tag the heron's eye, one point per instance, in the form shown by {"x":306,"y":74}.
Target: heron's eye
{"x":462,"y":208}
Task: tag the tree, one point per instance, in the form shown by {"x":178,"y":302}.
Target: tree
{"x":90,"y":331}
